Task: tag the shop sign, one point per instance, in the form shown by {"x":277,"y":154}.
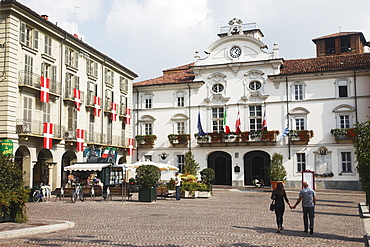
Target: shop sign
{"x":6,"y":147}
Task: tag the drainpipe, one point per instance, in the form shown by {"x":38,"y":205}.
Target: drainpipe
{"x":137,"y":122}
{"x":287,"y":113}
{"x":355,"y":85}
{"x":189,"y":119}
{"x":102,"y":98}
{"x":61,"y":85}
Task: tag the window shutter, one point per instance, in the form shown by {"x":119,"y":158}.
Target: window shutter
{"x":67,"y":56}
{"x":22,"y":33}
{"x":43,"y":69}
{"x":96,"y":69}
{"x":126,"y":85}
{"x":35,"y":39}
{"x":88,"y":66}
{"x":54,"y":73}
{"x":76,"y":59}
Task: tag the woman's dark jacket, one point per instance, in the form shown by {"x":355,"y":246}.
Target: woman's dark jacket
{"x":279,"y":197}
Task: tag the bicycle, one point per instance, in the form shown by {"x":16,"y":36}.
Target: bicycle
{"x":77,"y":194}
{"x":42,"y":194}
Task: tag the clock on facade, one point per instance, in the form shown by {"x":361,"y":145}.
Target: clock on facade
{"x":235,"y":51}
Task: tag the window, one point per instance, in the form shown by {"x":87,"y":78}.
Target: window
{"x":92,"y":68}
{"x":217,"y":119}
{"x":29,"y":36}
{"x":47,"y":45}
{"x":148,"y":129}
{"x":301,"y":162}
{"x":255,"y":117}
{"x":91,"y":92}
{"x":148,"y":100}
{"x":180,"y":99}
{"x":330,"y":46}
{"x":46,"y":112}
{"x":27,"y":109}
{"x":123,"y":84}
{"x":180,"y":128}
{"x":109,"y":77}
{"x":108,"y":99}
{"x":147,"y":157}
{"x":72,"y":120}
{"x":28,"y":69}
{"x":299,"y":123}
{"x":344,"y":121}
{"x":50,"y":71}
{"x":254,"y":85}
{"x":298,"y":92}
{"x":345,"y":44}
{"x":123,"y":102}
{"x":217,"y":88}
{"x":91,"y":128}
{"x":180,"y":162}
{"x":346,"y":161}
{"x":342,"y":88}
{"x":71,"y":57}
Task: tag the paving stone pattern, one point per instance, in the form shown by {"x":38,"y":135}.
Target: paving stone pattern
{"x":230,"y":218}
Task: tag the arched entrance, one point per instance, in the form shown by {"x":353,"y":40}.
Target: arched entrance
{"x":22,"y":157}
{"x":221,"y":163}
{"x":41,"y":168}
{"x":256,"y":164}
{"x":67,"y":159}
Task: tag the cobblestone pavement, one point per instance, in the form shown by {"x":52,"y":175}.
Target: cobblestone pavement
{"x":229,"y":218}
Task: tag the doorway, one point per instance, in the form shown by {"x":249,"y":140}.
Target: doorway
{"x":221,"y":163}
{"x":256,"y":164}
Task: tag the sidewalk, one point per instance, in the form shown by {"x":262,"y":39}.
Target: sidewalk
{"x":35,"y":226}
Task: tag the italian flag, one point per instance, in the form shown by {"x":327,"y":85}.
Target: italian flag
{"x":106,"y":152}
{"x":226,"y":123}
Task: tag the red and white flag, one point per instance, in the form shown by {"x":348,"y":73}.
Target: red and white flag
{"x":77,"y":96}
{"x":114,"y":111}
{"x":130,"y":150}
{"x":237,"y":124}
{"x":48,"y":135}
{"x":97,"y":104}
{"x":45,"y":85}
{"x":264,"y":122}
{"x":80,"y":134}
{"x":128,"y":116}
{"x":226,"y":123}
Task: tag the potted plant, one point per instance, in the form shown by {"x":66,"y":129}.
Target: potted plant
{"x":189,"y":189}
{"x":204,"y":190}
{"x":13,"y":196}
{"x":147,"y":176}
{"x":145,"y":140}
{"x":276,"y":171}
{"x":207,"y":176}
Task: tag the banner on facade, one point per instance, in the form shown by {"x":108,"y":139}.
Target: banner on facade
{"x":6,"y":147}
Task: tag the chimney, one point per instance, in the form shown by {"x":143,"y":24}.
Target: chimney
{"x":46,"y":17}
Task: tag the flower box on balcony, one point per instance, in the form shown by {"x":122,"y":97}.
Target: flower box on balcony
{"x":145,"y":140}
{"x":300,"y":137}
{"x":344,"y":135}
{"x":263,"y":136}
{"x":180,"y":140}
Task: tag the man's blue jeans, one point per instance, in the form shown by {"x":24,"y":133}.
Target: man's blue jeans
{"x":308,"y":213}
{"x":177,"y":192}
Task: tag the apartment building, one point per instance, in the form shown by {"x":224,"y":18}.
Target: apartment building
{"x":241,"y":103}
{"x":59,"y":97}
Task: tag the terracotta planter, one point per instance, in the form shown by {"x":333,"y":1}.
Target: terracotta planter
{"x":274,"y":184}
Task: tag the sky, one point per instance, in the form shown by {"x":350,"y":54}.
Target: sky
{"x":149,"y":36}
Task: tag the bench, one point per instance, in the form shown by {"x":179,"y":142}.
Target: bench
{"x":117,"y":191}
{"x":88,"y":192}
{"x":163,"y":193}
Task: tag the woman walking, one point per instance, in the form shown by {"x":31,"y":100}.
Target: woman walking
{"x":279,"y":196}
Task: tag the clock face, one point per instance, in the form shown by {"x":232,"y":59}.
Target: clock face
{"x":235,"y":52}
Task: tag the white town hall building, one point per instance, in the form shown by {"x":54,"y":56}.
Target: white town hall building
{"x":317,"y":100}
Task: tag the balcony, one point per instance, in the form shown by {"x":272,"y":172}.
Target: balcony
{"x":35,"y":128}
{"x":250,"y":138}
{"x":98,"y":139}
{"x":69,"y":95}
{"x":31,"y":81}
{"x":145,"y":141}
{"x":344,"y":135}
{"x":180,"y":140}
{"x":300,"y":137}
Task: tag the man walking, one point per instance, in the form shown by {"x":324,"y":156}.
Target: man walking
{"x":308,"y":198}
{"x":177,"y":184}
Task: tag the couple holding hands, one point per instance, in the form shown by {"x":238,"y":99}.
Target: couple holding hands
{"x":308,"y":198}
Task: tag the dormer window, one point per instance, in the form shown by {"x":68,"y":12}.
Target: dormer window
{"x":255,"y":85}
{"x":217,"y":88}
